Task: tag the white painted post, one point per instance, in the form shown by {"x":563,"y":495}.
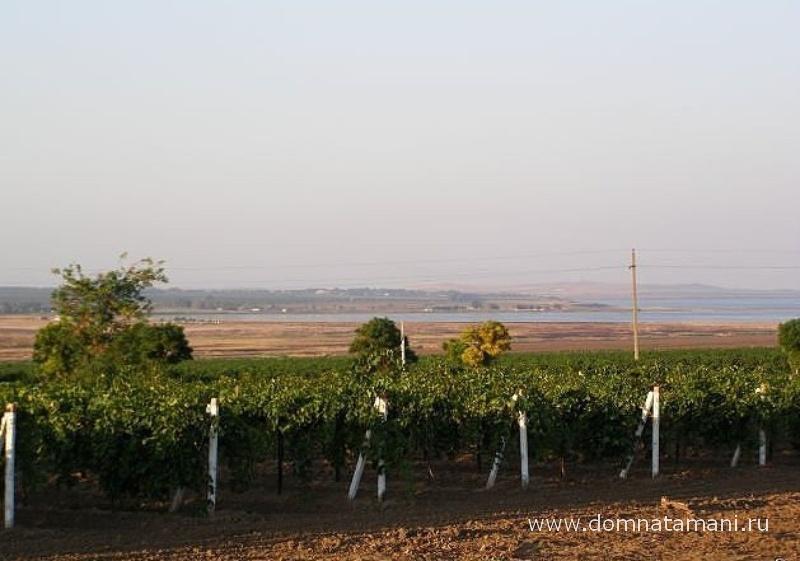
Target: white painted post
{"x":10,"y":422}
{"x":522,"y":420}
{"x":213,"y":437}
{"x":402,"y":344}
{"x":381,"y":480}
{"x":762,"y":447}
{"x":498,"y":459}
{"x":648,"y":405}
{"x":736,"y":455}
{"x":656,"y":426}
{"x":383,"y":408}
{"x":359,"y":472}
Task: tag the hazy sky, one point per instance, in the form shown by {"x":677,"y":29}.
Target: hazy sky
{"x":266,"y":143}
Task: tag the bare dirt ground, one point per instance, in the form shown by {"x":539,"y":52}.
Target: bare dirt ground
{"x":450,"y":517}
{"x":234,"y":338}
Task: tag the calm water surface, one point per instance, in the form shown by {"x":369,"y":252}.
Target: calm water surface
{"x":658,"y":310}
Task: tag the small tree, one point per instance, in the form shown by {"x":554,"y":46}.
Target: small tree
{"x":479,"y":345}
{"x":789,"y":340}
{"x":380,"y":336}
{"x":102,"y":320}
{"x":143,"y":342}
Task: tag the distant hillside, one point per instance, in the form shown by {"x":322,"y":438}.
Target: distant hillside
{"x":541,"y":297}
{"x":16,"y":300}
{"x":583,"y":291}
{"x":24,"y":300}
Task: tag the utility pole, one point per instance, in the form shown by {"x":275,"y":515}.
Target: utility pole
{"x":635,"y":306}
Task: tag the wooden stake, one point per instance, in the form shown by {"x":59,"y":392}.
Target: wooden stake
{"x":10,"y":422}
{"x":635,"y":306}
{"x":213,"y":442}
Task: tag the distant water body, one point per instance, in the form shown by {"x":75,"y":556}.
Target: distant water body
{"x":655,"y":310}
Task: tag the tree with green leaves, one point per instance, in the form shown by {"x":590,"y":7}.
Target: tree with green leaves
{"x":103,"y":321}
{"x":145,"y":342}
{"x":380,"y":336}
{"x":479,"y":345}
{"x":789,"y":340}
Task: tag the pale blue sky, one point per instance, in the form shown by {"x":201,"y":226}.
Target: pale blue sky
{"x":259,"y":143}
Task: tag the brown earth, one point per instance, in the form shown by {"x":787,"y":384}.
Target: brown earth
{"x":449,"y":517}
{"x":233,"y":338}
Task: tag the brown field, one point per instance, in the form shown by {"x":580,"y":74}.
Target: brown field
{"x":234,"y":338}
{"x":449,"y":517}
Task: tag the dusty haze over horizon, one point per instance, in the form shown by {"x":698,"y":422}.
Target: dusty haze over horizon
{"x":286,"y":145}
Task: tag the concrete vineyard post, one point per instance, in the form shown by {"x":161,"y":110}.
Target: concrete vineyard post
{"x":736,"y":455}
{"x":9,"y":431}
{"x":383,"y":408}
{"x":523,"y":449}
{"x":359,"y":471}
{"x":177,"y":499}
{"x":656,"y":430}
{"x":213,"y":437}
{"x":762,"y":447}
{"x":522,"y":422}
{"x":648,"y":405}
{"x":498,"y":459}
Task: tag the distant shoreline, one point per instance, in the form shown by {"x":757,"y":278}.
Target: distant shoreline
{"x":556,"y":303}
{"x":233,"y":338}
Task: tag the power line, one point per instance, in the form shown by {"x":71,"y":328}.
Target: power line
{"x":372,"y":263}
{"x":437,"y":276}
{"x":727,"y":267}
{"x":478,"y":259}
{"x":723,"y":251}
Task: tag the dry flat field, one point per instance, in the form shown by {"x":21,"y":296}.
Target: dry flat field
{"x":233,"y":338}
{"x":449,"y":518}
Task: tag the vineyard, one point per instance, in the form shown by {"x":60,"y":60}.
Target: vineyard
{"x":145,"y":434}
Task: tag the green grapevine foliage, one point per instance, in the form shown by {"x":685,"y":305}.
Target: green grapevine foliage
{"x":144,"y":434}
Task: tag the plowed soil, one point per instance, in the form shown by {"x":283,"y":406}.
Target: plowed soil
{"x":447,"y":516}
